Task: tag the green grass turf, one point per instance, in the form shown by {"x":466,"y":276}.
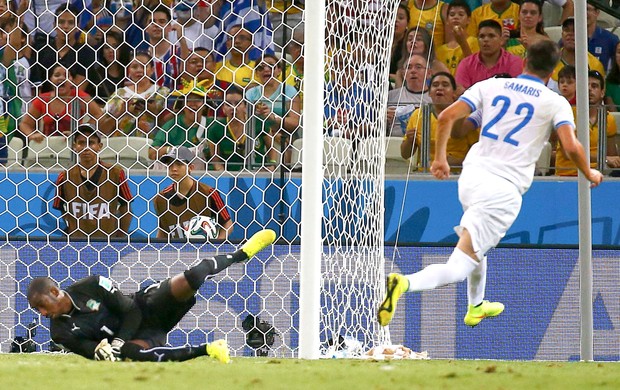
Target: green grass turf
{"x":40,"y":371}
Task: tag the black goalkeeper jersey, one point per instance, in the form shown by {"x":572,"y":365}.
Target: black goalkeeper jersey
{"x":100,"y":311}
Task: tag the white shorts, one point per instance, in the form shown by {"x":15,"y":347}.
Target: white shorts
{"x":490,"y":206}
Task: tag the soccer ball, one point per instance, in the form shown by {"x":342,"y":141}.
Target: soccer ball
{"x":201,"y":228}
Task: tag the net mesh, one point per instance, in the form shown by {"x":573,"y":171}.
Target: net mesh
{"x":224,"y":79}
{"x":358,"y":42}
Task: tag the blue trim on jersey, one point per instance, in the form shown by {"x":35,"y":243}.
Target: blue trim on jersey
{"x":475,"y":122}
{"x":530,"y":77}
{"x":471,"y":105}
{"x":565,"y":123}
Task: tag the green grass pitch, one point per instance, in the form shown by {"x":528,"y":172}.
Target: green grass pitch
{"x":40,"y":371}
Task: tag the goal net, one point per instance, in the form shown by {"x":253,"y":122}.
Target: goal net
{"x":358,"y":41}
{"x":224,"y":79}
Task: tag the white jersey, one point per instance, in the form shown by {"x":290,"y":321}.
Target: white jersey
{"x":518,"y":115}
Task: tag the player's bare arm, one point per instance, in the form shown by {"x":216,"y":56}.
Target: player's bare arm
{"x":445,"y":122}
{"x":574,"y":150}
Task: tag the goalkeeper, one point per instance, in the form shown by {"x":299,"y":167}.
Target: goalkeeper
{"x":94,"y":319}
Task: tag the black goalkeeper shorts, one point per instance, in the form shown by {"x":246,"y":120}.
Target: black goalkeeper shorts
{"x":160,"y":312}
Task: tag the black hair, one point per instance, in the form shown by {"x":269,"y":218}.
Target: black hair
{"x":39,"y":286}
{"x":445,"y":74}
{"x":233,"y":89}
{"x":542,"y":57}
{"x":273,"y":57}
{"x":459,"y":4}
{"x":47,"y":84}
{"x":67,"y":8}
{"x":490,"y":23}
{"x":163,"y":9}
{"x":567,"y":72}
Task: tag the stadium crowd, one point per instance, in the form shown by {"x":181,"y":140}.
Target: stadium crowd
{"x":224,"y":78}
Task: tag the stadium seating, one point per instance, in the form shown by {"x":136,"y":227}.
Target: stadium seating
{"x":16,"y":151}
{"x":554,"y":33}
{"x":394,"y":163}
{"x":551,"y":15}
{"x":543,"y":165}
{"x":53,"y":152}
{"x":616,"y":116}
{"x":130,"y":152}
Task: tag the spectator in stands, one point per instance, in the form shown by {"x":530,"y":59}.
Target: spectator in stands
{"x":295,"y":71}
{"x":200,"y":68}
{"x":108,"y":73}
{"x":286,"y":19}
{"x":93,"y":12}
{"x":404,"y":100}
{"x":601,"y":43}
{"x":419,"y":42}
{"x":460,"y":44}
{"x":613,"y":80}
{"x":197,"y":23}
{"x":67,"y":48}
{"x":41,"y":20}
{"x":596,"y":93}
{"x":166,"y":56}
{"x":95,"y":36}
{"x":491,"y":60}
{"x":442,"y":93}
{"x":10,"y":106}
{"x":93,"y":196}
{"x":505,"y":12}
{"x":22,"y":69}
{"x":347,"y":107}
{"x":568,"y":54}
{"x":186,"y":128}
{"x":567,"y":82}
{"x":254,"y":18}
{"x":54,"y":109}
{"x":398,"y":40}
{"x":186,"y":197}
{"x":429,"y":14}
{"x":238,"y":69}
{"x":530,"y":28}
{"x":132,"y":17}
{"x":138,"y":105}
{"x":277,"y":105}
{"x":229,"y":148}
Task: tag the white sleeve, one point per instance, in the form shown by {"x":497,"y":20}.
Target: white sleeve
{"x":473,"y":96}
{"x":564,"y":113}
{"x":476,"y":118}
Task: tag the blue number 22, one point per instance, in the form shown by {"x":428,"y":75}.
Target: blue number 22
{"x":505,"y":102}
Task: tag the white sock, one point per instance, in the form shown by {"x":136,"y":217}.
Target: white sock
{"x":476,"y":283}
{"x":458,"y":267}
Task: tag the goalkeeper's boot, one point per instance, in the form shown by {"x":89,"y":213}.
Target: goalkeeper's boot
{"x":259,"y":241}
{"x":475,"y":314}
{"x":219,"y":350}
{"x":397,"y":284}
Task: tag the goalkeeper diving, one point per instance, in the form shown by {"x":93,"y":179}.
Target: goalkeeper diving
{"x":94,"y":319}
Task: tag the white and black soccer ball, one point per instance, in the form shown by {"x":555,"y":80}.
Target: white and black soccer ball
{"x":201,"y":228}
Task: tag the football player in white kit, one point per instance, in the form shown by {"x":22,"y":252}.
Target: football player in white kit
{"x":518,"y":115}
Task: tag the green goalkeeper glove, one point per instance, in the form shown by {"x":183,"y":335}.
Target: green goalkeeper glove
{"x":104,"y":351}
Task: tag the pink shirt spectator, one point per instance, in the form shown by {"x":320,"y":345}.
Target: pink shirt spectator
{"x":471,"y":69}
